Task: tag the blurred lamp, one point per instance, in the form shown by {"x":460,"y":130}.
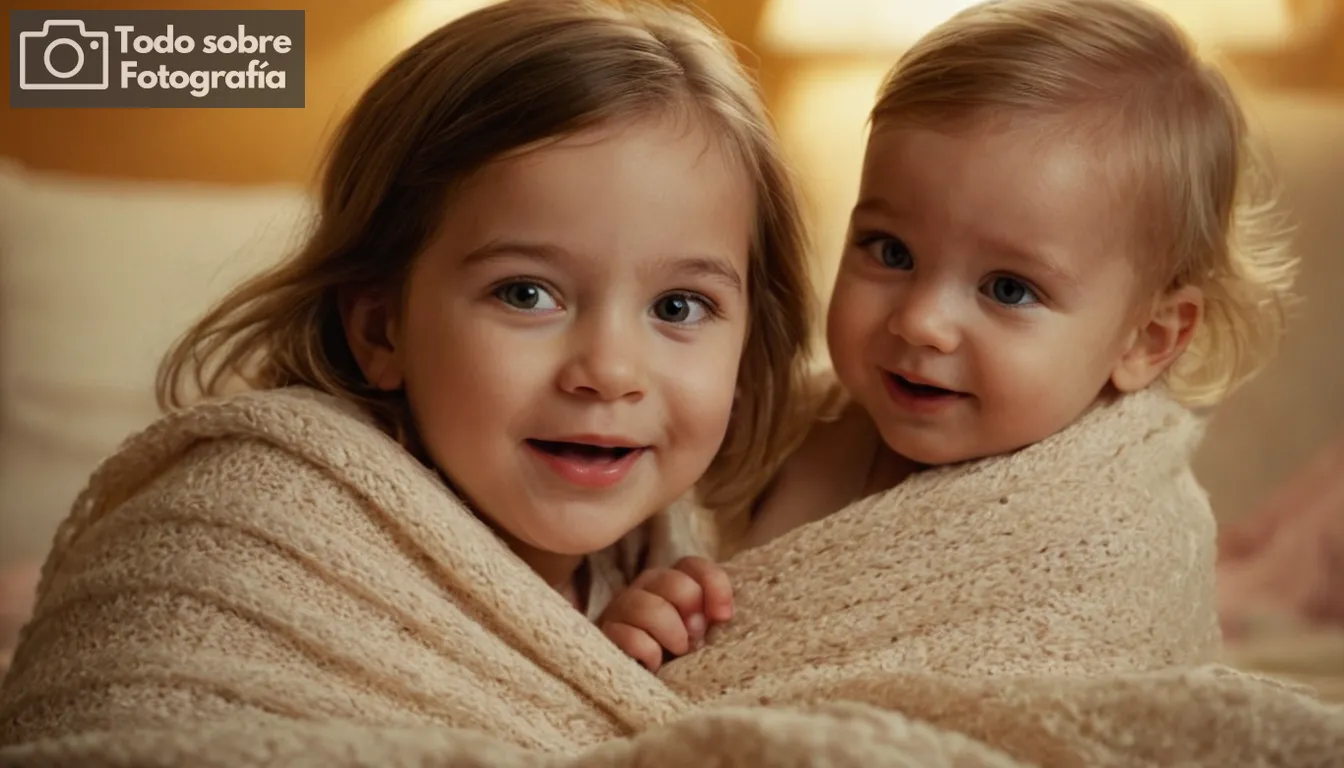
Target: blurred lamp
{"x":877,"y":27}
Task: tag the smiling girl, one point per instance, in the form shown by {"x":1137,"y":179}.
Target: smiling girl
{"x":556,"y":284}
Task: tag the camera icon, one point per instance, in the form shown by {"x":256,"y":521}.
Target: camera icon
{"x":44,"y":58}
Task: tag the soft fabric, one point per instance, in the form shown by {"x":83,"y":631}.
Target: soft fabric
{"x":278,"y":554}
{"x":1091,"y":552}
{"x":273,"y":581}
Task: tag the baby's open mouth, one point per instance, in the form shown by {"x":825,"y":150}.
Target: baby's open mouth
{"x":583,"y":452}
{"x":921,"y":390}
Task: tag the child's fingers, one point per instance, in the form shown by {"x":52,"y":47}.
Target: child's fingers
{"x":678,"y":588}
{"x":659,"y":618}
{"x":636,"y":643}
{"x":716,"y":589}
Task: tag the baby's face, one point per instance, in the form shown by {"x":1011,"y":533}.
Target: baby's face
{"x":570,"y":341}
{"x":987,"y":290}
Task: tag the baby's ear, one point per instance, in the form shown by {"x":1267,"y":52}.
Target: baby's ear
{"x":371,"y":331}
{"x":1160,"y":340}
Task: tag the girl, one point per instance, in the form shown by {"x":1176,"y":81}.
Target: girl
{"x":1055,"y":212}
{"x":566,"y":343}
{"x":558,"y":269}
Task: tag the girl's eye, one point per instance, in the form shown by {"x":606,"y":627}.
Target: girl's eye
{"x":1011,"y":292}
{"x":526,"y":296}
{"x":891,"y":253}
{"x":681,"y":308}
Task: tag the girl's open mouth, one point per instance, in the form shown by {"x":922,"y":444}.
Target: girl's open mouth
{"x":586,"y":465}
{"x":582,"y":452}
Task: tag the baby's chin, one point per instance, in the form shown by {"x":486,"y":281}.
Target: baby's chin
{"x":932,"y":449}
{"x":934,"y":453}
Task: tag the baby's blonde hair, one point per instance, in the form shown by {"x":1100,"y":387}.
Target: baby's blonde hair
{"x":1122,"y":70}
{"x":499,"y":81}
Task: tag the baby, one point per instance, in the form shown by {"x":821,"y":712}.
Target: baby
{"x":1054,"y":212}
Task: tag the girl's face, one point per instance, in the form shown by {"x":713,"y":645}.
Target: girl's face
{"x":569,"y":342}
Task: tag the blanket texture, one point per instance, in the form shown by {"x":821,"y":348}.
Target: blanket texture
{"x":272,"y":581}
{"x":1089,"y":553}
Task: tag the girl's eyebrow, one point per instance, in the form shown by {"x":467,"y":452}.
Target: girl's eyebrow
{"x":496,"y":249}
{"x":711,"y":267}
{"x":707,"y":267}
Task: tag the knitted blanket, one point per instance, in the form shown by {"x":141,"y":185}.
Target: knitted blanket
{"x":1091,"y":552}
{"x":272,"y":581}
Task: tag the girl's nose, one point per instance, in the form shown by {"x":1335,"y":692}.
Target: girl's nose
{"x":607,"y":362}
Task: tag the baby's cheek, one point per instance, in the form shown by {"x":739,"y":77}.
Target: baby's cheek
{"x":1035,"y":401}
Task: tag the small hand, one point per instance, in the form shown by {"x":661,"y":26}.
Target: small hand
{"x":667,"y":611}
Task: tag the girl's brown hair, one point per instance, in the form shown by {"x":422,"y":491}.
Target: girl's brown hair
{"x":1124,"y":72}
{"x":495,"y":82}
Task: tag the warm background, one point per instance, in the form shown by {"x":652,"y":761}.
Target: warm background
{"x":108,"y":218}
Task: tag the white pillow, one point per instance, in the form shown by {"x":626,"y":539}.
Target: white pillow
{"x":97,"y":278}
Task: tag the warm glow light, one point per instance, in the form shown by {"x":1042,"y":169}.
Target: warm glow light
{"x":869,"y":27}
{"x":823,"y":123}
{"x":426,"y":15}
{"x":1232,"y":23}
{"x":349,"y":65}
{"x":401,"y":25}
{"x":851,"y":26}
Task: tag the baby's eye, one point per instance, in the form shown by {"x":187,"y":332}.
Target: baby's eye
{"x":681,"y":308}
{"x":1010,"y":291}
{"x":526,"y":296}
{"x":890,"y":252}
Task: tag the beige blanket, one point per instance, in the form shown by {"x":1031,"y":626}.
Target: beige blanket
{"x":1089,"y":553}
{"x":271,"y":581}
